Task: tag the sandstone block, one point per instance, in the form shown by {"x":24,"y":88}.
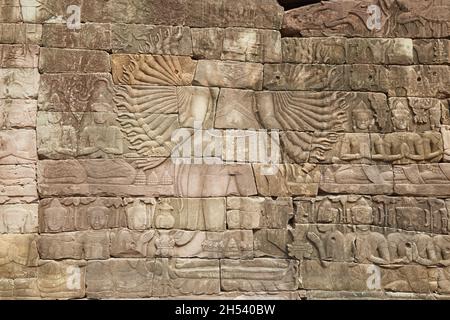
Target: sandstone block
{"x":25,"y":33}
{"x":64,"y":60}
{"x":229,"y":74}
{"x":19,"y":83}
{"x":17,"y":113}
{"x":18,"y":181}
{"x":287,"y":180}
{"x":75,"y":92}
{"x":151,"y":39}
{"x":18,"y":218}
{"x":19,"y":56}
{"x":314,"y":50}
{"x":430,"y":51}
{"x":145,"y":279}
{"x":18,"y":146}
{"x":153,"y":70}
{"x":259,"y":275}
{"x":90,"y":36}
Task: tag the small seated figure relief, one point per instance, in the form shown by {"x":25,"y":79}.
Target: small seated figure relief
{"x":404,"y":146}
{"x":328,"y":241}
{"x":364,"y":245}
{"x":55,"y":217}
{"x":57,"y":137}
{"x":356,"y":147}
{"x":101,"y":139}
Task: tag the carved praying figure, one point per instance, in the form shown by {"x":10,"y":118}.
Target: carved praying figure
{"x":356,"y":147}
{"x":404,"y":146}
{"x":101,"y":139}
{"x":56,"y":137}
{"x":366,"y":246}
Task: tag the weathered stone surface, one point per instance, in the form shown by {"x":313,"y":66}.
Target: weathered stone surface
{"x":358,"y":178}
{"x":415,"y":81}
{"x":432,"y":51}
{"x":19,"y":56}
{"x":380,"y":51}
{"x":391,"y":213}
{"x":151,"y":39}
{"x":337,"y":50}
{"x":19,"y":83}
{"x":17,"y":113}
{"x":360,"y":278}
{"x":18,"y":218}
{"x":89,"y":245}
{"x":80,"y":214}
{"x":144,"y":278}
{"x":235,"y":109}
{"x":351,"y":19}
{"x":287,"y":179}
{"x":272,"y":243}
{"x":18,"y":181}
{"x":422,"y":179}
{"x":153,"y":70}
{"x":63,"y":60}
{"x":327,"y":111}
{"x":229,"y":74}
{"x":257,"y":213}
{"x":259,"y":274}
{"x":251,"y":45}
{"x":25,"y":33}
{"x":207,"y":43}
{"x":90,"y":36}
{"x":143,"y":177}
{"x":305,"y":77}
{"x":314,"y":50}
{"x":17,"y":146}
{"x":75,"y":92}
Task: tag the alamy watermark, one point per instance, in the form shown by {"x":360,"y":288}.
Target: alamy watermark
{"x":74,"y":19}
{"x":212,"y":146}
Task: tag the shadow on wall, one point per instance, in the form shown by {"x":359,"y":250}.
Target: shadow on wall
{"x":292,"y":4}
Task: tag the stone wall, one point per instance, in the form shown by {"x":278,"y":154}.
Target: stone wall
{"x":92,"y":205}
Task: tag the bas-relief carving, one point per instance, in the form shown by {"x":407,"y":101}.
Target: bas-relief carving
{"x":153,"y":70}
{"x":18,"y":218}
{"x":18,"y":181}
{"x":287,"y":180}
{"x":143,"y":177}
{"x":161,"y":277}
{"x":17,"y":113}
{"x":337,"y":50}
{"x":257,"y":213}
{"x":348,"y":18}
{"x":19,"y":56}
{"x":168,"y":40}
{"x":90,"y":36}
{"x":260,"y":274}
{"x":19,"y":83}
{"x":75,"y":93}
{"x":434,"y":51}
{"x":229,"y":74}
{"x":287,"y":76}
{"x":55,"y":60}
{"x":402,"y":213}
{"x":422,"y":179}
{"x":17,"y":146}
{"x":23,"y":33}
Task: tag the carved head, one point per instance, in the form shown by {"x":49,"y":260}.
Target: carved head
{"x":55,"y":216}
{"x":137,"y":217}
{"x":326,"y":212}
{"x":100,"y":112}
{"x":362,"y":117}
{"x":98,"y":217}
{"x":362,"y":212}
{"x":165,"y":219}
{"x":14,"y":219}
{"x":54,"y":117}
{"x":401,"y":117}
